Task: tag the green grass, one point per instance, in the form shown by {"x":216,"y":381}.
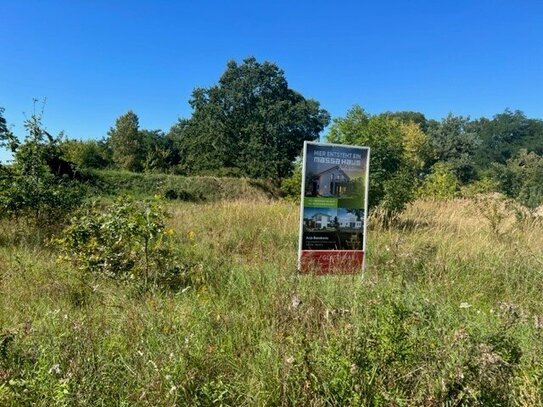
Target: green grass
{"x":448,"y":313}
{"x":195,"y":189}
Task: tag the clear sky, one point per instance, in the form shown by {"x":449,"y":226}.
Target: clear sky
{"x":94,"y":60}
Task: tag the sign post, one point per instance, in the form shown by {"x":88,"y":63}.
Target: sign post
{"x":333,"y":209}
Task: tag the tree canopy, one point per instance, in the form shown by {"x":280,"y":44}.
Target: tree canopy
{"x":398,"y":150}
{"x":126,"y":142}
{"x":250,"y":122}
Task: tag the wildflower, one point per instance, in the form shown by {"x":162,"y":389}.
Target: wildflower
{"x":295,"y":302}
{"x":465,"y":305}
{"x":191,"y":235}
{"x":55,"y":369}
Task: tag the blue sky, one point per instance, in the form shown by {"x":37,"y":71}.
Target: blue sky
{"x":94,"y":60}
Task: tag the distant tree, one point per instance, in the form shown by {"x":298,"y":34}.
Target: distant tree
{"x":251,"y":121}
{"x":126,"y":142}
{"x":416,"y":146}
{"x":290,"y":186}
{"x":505,"y":135}
{"x":452,"y":142}
{"x":409,"y":117}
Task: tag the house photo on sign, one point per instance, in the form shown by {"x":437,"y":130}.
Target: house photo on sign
{"x":333,"y":208}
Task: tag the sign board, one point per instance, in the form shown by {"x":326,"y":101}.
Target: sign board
{"x":333,"y":208}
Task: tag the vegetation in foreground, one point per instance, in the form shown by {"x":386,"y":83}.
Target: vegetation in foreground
{"x":448,"y":312}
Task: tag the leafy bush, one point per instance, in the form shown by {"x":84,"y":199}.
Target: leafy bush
{"x":39,"y":185}
{"x":485,"y":185}
{"x":291,"y":186}
{"x":125,"y":240}
{"x":43,"y":200}
{"x":440,"y":184}
{"x":87,"y":154}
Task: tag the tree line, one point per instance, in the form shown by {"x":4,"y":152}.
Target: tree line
{"x":252,"y":124}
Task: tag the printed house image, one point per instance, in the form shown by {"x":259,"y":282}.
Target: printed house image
{"x":319,"y":221}
{"x":331,"y":182}
{"x":350,"y":221}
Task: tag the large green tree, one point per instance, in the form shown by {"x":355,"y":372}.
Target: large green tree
{"x":126,"y":142}
{"x":398,"y":150}
{"x":250,"y":122}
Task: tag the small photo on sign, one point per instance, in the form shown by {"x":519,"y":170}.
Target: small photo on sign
{"x":337,"y":172}
{"x":350,"y":219}
{"x":320,"y":218}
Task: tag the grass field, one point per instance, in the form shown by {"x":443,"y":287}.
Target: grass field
{"x":448,"y":313}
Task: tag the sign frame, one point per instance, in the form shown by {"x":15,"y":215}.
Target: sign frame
{"x":302,"y":206}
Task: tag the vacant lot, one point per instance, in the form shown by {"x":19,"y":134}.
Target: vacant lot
{"x":449,"y":312}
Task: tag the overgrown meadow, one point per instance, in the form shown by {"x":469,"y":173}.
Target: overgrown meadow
{"x":448,"y":313}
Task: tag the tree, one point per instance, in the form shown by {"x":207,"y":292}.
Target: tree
{"x":454,"y":143}
{"x":126,"y":142}
{"x":397,"y":154}
{"x":440,"y":184}
{"x":505,"y":135}
{"x":250,"y":121}
{"x":409,"y":117}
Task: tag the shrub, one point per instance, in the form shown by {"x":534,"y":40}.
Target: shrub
{"x":291,"y":186}
{"x":485,"y":185}
{"x":39,"y":185}
{"x":44,"y":200}
{"x":521,"y":177}
{"x":87,"y":154}
{"x":440,"y":184}
{"x":125,"y":240}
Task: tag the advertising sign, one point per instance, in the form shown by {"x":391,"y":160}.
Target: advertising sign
{"x":333,"y":208}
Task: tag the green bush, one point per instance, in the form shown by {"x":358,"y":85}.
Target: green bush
{"x":291,"y":186}
{"x":125,"y":240}
{"x":87,"y":154}
{"x":485,"y":185}
{"x":440,"y":184}
{"x":40,"y":184}
{"x":521,"y":178}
